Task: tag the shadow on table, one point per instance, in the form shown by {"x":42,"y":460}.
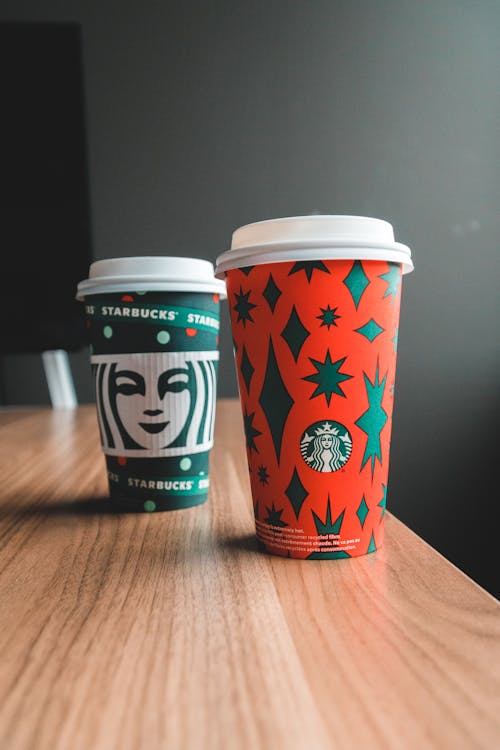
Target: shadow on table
{"x":102,"y":506}
{"x":244,"y":543}
{"x":91,"y":506}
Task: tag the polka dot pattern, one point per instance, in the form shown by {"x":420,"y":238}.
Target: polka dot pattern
{"x":127,"y":333}
{"x":163,"y":337}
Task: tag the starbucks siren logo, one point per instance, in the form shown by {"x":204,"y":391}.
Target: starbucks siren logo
{"x":326,"y":446}
{"x":156,"y":404}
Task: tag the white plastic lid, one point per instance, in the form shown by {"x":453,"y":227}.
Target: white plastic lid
{"x":150,"y":274}
{"x":314,"y":237}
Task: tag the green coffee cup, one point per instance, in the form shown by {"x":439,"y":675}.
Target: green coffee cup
{"x":153,"y":327}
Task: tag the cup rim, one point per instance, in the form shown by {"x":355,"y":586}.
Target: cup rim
{"x":150,"y":273}
{"x":313,"y":237}
{"x":279,"y":252}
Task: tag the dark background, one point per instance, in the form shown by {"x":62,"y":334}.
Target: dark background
{"x":202,"y":116}
{"x":44,"y":186}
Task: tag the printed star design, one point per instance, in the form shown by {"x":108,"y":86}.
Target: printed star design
{"x":373,"y":420}
{"x":392,"y":279}
{"x":383,"y":502}
{"x":274,"y":516}
{"x":328,"y":316}
{"x":328,"y":527}
{"x":372,"y":547}
{"x":263,"y":475}
{"x":243,"y":307}
{"x":328,"y":377}
{"x":395,"y":339}
{"x":250,"y":432}
{"x":308,"y":266}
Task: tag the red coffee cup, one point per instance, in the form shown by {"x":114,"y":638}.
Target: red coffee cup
{"x":314,"y":304}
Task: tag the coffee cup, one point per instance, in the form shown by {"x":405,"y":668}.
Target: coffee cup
{"x":153,"y":332}
{"x":314,"y":304}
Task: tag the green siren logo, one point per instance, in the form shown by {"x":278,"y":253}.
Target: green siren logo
{"x":155,"y":404}
{"x":326,"y":446}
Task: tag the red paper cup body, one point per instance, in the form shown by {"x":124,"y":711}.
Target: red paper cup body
{"x":315,"y":349}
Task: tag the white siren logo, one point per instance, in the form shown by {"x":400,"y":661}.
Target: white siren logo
{"x":326,"y":446}
{"x":156,"y":404}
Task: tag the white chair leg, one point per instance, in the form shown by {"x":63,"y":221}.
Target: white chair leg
{"x":59,"y":379}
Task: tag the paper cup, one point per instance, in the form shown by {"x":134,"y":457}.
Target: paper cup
{"x":153,"y":333}
{"x":315,"y":341}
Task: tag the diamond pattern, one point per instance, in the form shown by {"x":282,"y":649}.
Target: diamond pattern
{"x":275,"y":400}
{"x":372,"y":546}
{"x":296,"y":493}
{"x":356,"y":281}
{"x":295,"y":334}
{"x":362,"y":511}
{"x":247,"y":369}
{"x":271,"y":293}
{"x":370,"y":330}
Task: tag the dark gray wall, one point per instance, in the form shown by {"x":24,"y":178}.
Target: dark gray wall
{"x":204,"y":116}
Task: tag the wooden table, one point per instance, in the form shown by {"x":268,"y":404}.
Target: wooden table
{"x":174,"y":631}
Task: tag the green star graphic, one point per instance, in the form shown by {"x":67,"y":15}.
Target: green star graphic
{"x":328,"y":316}
{"x":308,"y":266}
{"x":383,"y":502}
{"x":250,"y":432}
{"x":372,"y":546}
{"x":392,"y":279}
{"x":243,"y":306}
{"x":274,"y":516}
{"x":328,"y":527}
{"x":328,"y":377}
{"x":263,"y":475}
{"x":395,"y":339}
{"x":374,"y":419}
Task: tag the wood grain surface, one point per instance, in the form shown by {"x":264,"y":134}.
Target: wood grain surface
{"x":174,"y":631}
